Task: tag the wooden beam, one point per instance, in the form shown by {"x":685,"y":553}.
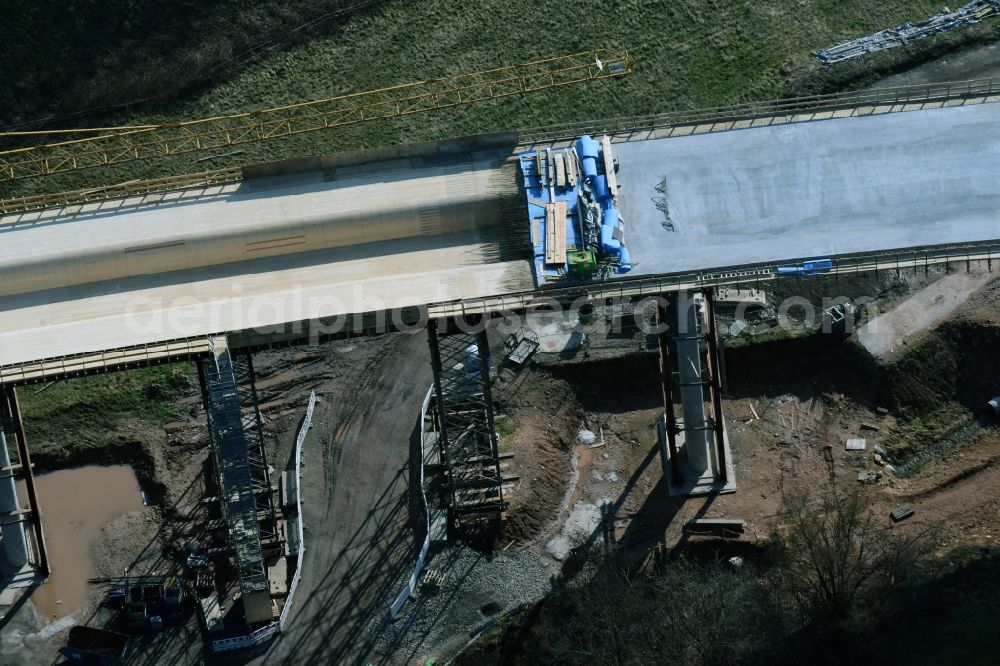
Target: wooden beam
{"x":609,"y":164}
{"x":571,"y":173}
{"x":555,"y":233}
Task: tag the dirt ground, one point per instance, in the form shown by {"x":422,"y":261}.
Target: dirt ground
{"x":809,"y":395}
{"x":887,"y":335}
{"x":362,"y":431}
{"x":980,"y":62}
{"x":790,"y":407}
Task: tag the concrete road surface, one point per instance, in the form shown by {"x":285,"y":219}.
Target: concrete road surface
{"x":812,"y":189}
{"x":395,"y":234}
{"x":266,"y":252}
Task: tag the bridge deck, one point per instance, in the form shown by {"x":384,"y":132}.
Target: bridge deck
{"x":293,"y":247}
{"x":117,"y":274}
{"x":816,"y":189}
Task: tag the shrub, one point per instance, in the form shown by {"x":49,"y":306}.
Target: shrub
{"x":836,"y":554}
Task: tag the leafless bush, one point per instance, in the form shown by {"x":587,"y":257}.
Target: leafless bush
{"x":680,"y":613}
{"x":838,"y":553}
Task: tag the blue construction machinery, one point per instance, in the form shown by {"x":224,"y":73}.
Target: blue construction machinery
{"x":814,"y":267}
{"x":577,"y":231}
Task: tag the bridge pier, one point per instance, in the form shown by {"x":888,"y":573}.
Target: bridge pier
{"x":23,"y":555}
{"x":695,"y":449}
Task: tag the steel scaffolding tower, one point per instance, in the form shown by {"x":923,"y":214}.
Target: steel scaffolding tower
{"x":253,"y":431}
{"x":468,"y":439}
{"x":238,"y":454}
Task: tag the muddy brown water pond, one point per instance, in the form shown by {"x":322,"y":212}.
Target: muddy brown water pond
{"x":76,"y":505}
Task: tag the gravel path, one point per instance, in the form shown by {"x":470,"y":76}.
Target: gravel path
{"x":460,"y":590}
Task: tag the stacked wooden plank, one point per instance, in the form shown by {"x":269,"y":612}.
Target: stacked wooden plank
{"x":609,"y":165}
{"x":555,"y":232}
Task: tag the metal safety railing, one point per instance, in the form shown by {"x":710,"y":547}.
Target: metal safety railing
{"x":297,"y":576}
{"x":720,"y":117}
{"x":118,"y":145}
{"x":893,"y":97}
{"x":988,"y":251}
{"x":129,"y":189}
{"x":121,"y":358}
{"x":248,"y":641}
{"x":411,"y":584}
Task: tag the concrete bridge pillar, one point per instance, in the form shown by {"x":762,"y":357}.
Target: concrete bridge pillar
{"x":694,"y":449}
{"x":13,"y":541}
{"x":14,"y":520}
{"x":697,"y":434}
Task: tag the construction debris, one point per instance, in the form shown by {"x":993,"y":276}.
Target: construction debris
{"x":901,"y":512}
{"x":520,"y":346}
{"x":973,"y":12}
{"x":855,"y":444}
{"x":733,"y":297}
{"x":865,"y":476}
{"x":723,"y":527}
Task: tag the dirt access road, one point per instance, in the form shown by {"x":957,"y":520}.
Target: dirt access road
{"x":356,"y":481}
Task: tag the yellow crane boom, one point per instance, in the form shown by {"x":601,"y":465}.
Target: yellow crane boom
{"x":117,"y":145}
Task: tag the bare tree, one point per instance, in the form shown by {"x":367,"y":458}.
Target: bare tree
{"x":676,"y":613}
{"x":837,"y":552}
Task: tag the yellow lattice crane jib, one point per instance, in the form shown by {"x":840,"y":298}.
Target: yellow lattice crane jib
{"x":123,"y":144}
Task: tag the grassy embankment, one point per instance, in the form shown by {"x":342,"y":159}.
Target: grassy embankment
{"x":75,"y":421}
{"x":690,"y":54}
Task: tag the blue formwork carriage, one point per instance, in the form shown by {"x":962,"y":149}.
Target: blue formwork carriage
{"x":577,"y":230}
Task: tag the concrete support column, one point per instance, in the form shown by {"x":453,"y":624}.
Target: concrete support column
{"x":697,"y":432}
{"x":702,"y":450}
{"x":12,"y":425}
{"x":13,"y":541}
